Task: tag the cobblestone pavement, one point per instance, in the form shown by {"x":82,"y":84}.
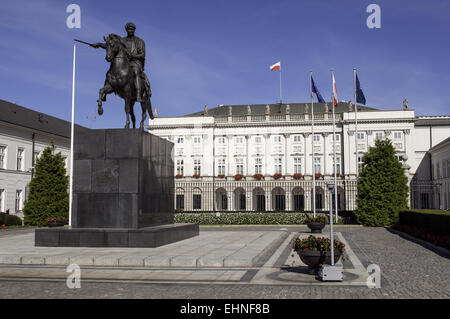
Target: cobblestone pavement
{"x":408,"y":269}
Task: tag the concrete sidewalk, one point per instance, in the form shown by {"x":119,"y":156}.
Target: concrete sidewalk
{"x":209,"y":249}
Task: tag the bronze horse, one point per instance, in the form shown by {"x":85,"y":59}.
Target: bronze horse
{"x":119,"y":81}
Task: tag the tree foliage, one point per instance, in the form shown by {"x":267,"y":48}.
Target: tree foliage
{"x":48,"y":194}
{"x":382,"y":186}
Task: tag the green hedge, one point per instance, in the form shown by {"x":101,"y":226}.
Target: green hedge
{"x":10,"y":220}
{"x":238,"y":218}
{"x":436,"y":221}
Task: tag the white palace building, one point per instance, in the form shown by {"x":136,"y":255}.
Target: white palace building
{"x":258,"y":157}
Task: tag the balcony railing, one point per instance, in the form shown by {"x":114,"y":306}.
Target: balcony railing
{"x":277,"y":118}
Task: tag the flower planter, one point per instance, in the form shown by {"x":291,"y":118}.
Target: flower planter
{"x":316,"y":227}
{"x":314,"y":258}
{"x":55,"y":224}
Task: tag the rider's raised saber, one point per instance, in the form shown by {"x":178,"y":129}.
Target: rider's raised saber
{"x":84,"y":42}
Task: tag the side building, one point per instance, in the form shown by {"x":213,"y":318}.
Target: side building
{"x":259,"y":157}
{"x":24,"y":134}
{"x":440,"y":172}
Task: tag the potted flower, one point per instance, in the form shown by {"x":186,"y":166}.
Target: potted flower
{"x":258,"y":176}
{"x":316,"y":224}
{"x":298,"y":176}
{"x":316,"y":251}
{"x":238,"y":177}
{"x":56,"y":222}
{"x":317,"y":175}
{"x":196,"y":176}
{"x":179,"y":176}
{"x":277,"y":176}
{"x":221,"y":176}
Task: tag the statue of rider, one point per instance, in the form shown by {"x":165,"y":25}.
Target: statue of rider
{"x":136,"y":53}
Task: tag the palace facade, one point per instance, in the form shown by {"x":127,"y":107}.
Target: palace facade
{"x":24,"y":134}
{"x":259,"y":157}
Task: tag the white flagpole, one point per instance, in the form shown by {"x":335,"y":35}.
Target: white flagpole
{"x":312,"y":144}
{"x":356,"y":131}
{"x":334,"y":148}
{"x":71,"y":140}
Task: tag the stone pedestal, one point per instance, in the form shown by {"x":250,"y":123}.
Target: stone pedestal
{"x":123,"y":188}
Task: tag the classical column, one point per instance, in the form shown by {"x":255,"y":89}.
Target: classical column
{"x":307,"y":153}
{"x":286,"y":153}
{"x":288,"y":192}
{"x":267,"y":153}
{"x":247,"y":157}
{"x":325,"y":155}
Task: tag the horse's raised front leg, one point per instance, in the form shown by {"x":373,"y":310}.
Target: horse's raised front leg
{"x":102,"y":97}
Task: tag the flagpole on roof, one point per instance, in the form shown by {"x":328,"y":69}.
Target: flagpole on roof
{"x":312,"y":145}
{"x":334,"y":143}
{"x":72,"y":138}
{"x":280,"y":86}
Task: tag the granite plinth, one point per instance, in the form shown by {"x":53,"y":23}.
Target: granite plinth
{"x":123,"y":193}
{"x":149,"y":237}
{"x":123,"y":178}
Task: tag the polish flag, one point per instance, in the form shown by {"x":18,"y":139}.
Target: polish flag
{"x":276,"y":66}
{"x":335,"y":99}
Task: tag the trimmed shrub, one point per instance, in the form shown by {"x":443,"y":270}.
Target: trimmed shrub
{"x":435,"y":221}
{"x":48,"y":197}
{"x":382,"y":186}
{"x":10,"y":220}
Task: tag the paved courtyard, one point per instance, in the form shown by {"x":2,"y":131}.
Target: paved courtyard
{"x":270,"y":270}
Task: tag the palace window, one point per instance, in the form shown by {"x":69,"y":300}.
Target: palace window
{"x":240,"y":166}
{"x":360,"y":135}
{"x":397,"y":135}
{"x":360,"y":162}
{"x":277,"y":138}
{"x":2,"y":200}
{"x":180,"y":201}
{"x":379,"y":135}
{"x":239,"y":140}
{"x":197,"y":139}
{"x":297,"y":165}
{"x":221,"y":166}
{"x":297,"y":138}
{"x":197,"y":167}
{"x":19,"y":200}
{"x":278,"y":165}
{"x":258,"y":165}
{"x":180,"y":140}
{"x":221,"y":140}
{"x":316,"y":138}
{"x":338,"y":138}
{"x":197,"y":201}
{"x":20,"y":152}
{"x":317,"y":165}
{"x":180,"y":167}
{"x":2,"y":157}
{"x":258,"y":140}
{"x":338,"y":164}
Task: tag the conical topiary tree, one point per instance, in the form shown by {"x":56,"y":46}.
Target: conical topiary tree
{"x":382,"y":186}
{"x":48,"y":193}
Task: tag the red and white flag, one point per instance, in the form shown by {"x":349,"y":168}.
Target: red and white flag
{"x":335,"y":99}
{"x":276,"y":66}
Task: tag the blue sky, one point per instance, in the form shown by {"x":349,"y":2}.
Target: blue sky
{"x":219,"y":52}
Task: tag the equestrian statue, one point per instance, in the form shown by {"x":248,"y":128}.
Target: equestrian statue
{"x":126,"y":76}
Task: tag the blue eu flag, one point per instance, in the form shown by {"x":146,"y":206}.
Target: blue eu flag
{"x":360,"y":98}
{"x":316,"y":91}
